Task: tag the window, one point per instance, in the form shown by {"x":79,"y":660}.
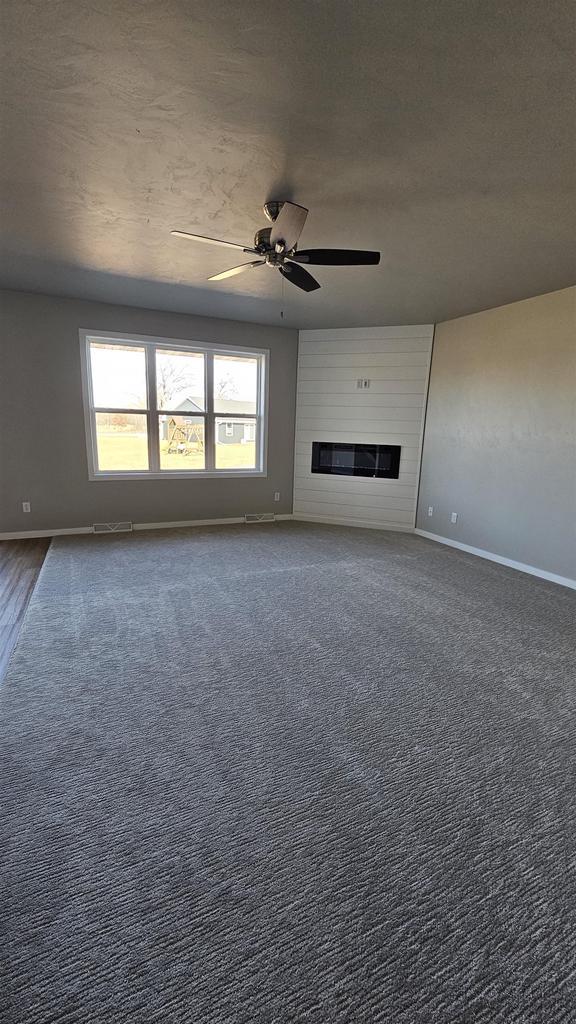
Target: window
{"x":161,"y":408}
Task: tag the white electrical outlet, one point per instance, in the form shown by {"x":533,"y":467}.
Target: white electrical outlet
{"x":454,"y":517}
{"x":26,"y":506}
{"x":430,"y":510}
{"x":276,"y":495}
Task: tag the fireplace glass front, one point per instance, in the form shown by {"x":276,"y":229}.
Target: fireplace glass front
{"x":341,"y":459}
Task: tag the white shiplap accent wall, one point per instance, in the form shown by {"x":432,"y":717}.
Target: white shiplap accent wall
{"x":391,"y":411}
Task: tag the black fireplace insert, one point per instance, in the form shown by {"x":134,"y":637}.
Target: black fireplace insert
{"x":380,"y":460}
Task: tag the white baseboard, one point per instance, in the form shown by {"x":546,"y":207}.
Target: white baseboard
{"x":553,"y":577}
{"x":30,"y":534}
{"x":362,"y":524}
{"x":187,"y":522}
{"x":26,"y":534}
{"x":202,"y":522}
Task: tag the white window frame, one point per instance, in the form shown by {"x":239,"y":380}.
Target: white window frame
{"x":152,"y":413}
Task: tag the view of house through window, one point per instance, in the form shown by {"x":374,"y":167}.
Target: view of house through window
{"x":235,"y":394}
{"x":156,"y":409}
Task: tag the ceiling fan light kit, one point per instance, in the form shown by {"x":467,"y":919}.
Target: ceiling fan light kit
{"x":276,"y":246}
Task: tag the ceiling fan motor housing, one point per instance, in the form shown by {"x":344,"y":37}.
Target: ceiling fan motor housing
{"x":262,"y":240}
{"x":272,"y":209}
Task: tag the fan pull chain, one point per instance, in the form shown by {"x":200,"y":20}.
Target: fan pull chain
{"x":282,"y":297}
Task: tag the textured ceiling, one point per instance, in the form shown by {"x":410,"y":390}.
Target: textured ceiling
{"x":439,"y":131}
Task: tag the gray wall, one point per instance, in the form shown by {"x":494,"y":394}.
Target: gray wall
{"x":500,"y":439}
{"x":43,"y":446}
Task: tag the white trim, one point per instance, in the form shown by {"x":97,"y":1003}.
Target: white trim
{"x":150,"y":344}
{"x":172,"y":343}
{"x":264,"y":403}
{"x":362,"y":524}
{"x":174,"y":474}
{"x":188,"y":522}
{"x":198,"y":522}
{"x":87,"y":403}
{"x":552,"y":577}
{"x":24,"y":534}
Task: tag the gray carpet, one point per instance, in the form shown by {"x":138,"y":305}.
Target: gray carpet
{"x":258,"y":775}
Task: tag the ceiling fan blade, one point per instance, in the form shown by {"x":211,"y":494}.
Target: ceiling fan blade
{"x":337,"y":257}
{"x":237,"y":270}
{"x":298,"y":276}
{"x":288,"y":225}
{"x":211,"y":241}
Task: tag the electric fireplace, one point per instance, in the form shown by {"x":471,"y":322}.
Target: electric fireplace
{"x":376,"y":460}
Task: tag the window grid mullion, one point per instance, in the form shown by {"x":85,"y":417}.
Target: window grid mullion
{"x":153,"y":424}
{"x":123,"y":412}
{"x":210,"y":429}
{"x":233,"y":415}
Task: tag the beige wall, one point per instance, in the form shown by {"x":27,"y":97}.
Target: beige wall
{"x":500,"y":439}
{"x":42,"y":437}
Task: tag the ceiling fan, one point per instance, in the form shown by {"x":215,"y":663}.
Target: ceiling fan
{"x":276,"y":246}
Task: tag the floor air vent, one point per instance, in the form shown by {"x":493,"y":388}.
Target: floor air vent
{"x":112,"y":527}
{"x":259,"y":517}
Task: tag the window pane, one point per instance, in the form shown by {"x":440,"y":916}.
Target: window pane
{"x":180,"y":381}
{"x":235,"y":385}
{"x":181,"y":442}
{"x":235,"y":444}
{"x":122,"y":441}
{"x":118,"y":376}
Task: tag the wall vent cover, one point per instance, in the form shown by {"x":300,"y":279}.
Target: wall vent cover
{"x":112,"y":528}
{"x":259,"y":517}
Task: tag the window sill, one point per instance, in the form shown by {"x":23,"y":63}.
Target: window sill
{"x":174,"y":475}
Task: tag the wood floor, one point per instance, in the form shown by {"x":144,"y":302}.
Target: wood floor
{"x":20,"y":563}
